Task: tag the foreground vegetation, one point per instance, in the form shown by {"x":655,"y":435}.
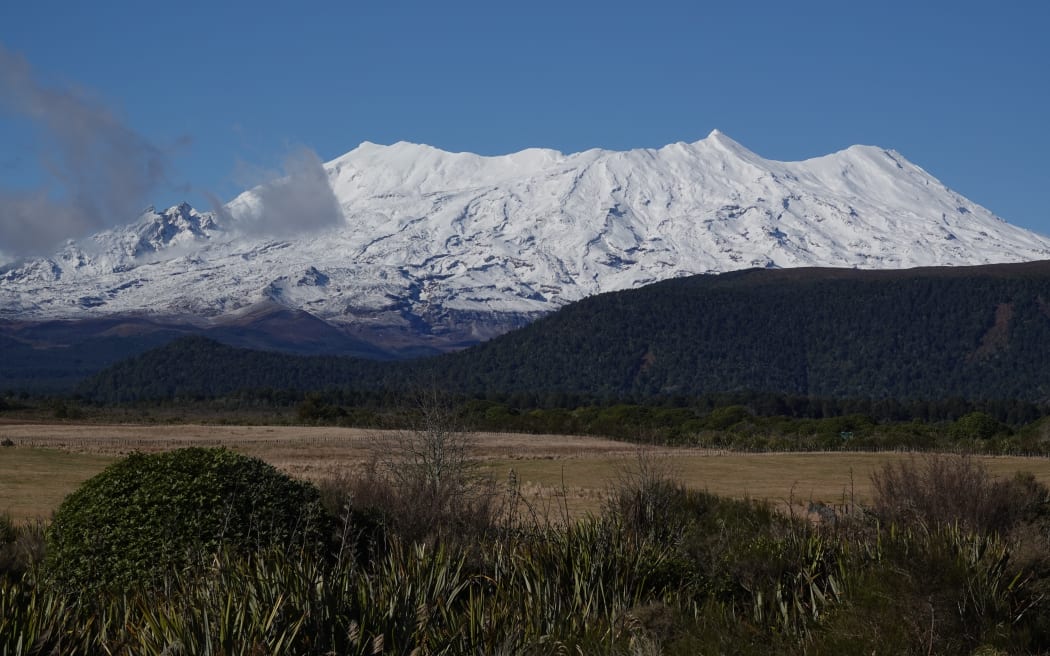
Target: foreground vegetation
{"x":421,"y":555}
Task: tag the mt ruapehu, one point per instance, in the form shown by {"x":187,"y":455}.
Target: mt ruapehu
{"x":436,"y":250}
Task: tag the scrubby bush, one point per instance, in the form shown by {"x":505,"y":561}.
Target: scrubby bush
{"x":648,"y":498}
{"x":21,"y":546}
{"x":7,"y":529}
{"x":424,"y":481}
{"x":942,"y":591}
{"x":149,"y":515}
{"x":733,"y":576}
{"x":940,"y":490}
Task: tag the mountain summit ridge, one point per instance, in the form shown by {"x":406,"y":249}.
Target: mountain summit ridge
{"x":445,"y":249}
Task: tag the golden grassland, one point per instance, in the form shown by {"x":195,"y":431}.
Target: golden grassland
{"x":34,"y":481}
{"x":557,"y":472}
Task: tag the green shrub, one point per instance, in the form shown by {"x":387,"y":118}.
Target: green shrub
{"x":976,"y":426}
{"x":726,"y":417}
{"x":149,"y":515}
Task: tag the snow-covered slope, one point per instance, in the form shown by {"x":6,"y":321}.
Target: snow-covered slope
{"x":455,"y":247}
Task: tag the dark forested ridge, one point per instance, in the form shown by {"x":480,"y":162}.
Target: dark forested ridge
{"x":977,"y":332}
{"x":198,"y":367}
{"x":53,"y":356}
{"x":30,"y":367}
{"x":971,"y":332}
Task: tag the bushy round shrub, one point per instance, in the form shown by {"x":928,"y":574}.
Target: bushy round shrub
{"x":149,"y":515}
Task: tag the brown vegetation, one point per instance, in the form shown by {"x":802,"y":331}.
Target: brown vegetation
{"x":944,"y":490}
{"x":660,"y":569}
{"x":549,"y":470}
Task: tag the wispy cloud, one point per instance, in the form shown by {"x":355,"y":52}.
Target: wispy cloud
{"x":299,"y":201}
{"x":98,"y":171}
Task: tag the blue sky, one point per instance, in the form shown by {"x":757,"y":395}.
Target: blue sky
{"x":219,"y":93}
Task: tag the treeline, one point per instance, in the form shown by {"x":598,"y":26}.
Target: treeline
{"x":976,"y":333}
{"x":194,"y":368}
{"x":953,"y":426}
{"x":742,"y":421}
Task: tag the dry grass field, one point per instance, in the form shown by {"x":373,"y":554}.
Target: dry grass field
{"x":556,"y":471}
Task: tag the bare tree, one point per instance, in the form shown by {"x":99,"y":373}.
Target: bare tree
{"x":434,"y":485}
{"x":434,"y":455}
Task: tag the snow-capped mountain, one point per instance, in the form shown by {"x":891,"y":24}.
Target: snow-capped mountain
{"x":447,"y":248}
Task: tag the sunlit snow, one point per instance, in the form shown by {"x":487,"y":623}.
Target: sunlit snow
{"x":427,"y":231}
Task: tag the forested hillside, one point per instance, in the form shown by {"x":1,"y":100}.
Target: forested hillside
{"x":197,"y":367}
{"x":26,"y":367}
{"x":978,"y":332}
{"x":971,"y":332}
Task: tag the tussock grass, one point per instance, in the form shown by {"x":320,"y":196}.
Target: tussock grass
{"x":661,"y":569}
{"x":551,"y":470}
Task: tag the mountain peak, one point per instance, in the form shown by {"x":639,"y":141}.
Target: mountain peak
{"x":723,"y":142}
{"x":442,"y":249}
{"x":180,"y":208}
{"x":722,"y":139}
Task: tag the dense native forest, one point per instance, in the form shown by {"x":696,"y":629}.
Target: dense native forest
{"x":929,"y":334}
